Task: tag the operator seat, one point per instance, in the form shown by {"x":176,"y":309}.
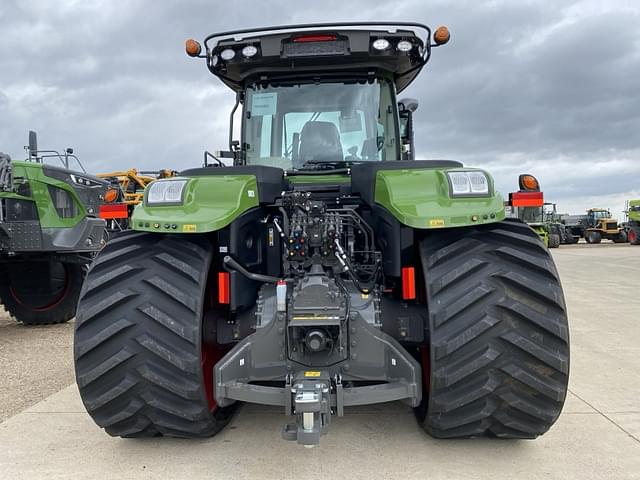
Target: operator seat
{"x":320,"y":142}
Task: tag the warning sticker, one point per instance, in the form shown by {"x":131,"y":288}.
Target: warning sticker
{"x":311,"y":373}
{"x":264,"y":104}
{"x":189,"y":227}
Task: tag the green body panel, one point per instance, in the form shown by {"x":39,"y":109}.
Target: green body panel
{"x":210,"y":203}
{"x":420,"y":199}
{"x":634,"y":215}
{"x":38,"y":183}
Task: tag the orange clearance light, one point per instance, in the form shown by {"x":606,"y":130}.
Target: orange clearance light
{"x":192,"y":47}
{"x":441,"y":35}
{"x":529,"y":182}
{"x":111,"y":195}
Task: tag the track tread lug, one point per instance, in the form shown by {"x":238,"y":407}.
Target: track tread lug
{"x":101,"y":336}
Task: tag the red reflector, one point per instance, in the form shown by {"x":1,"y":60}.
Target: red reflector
{"x":526,"y":199}
{"x":408,"y":283}
{"x":114,"y":210}
{"x":315,"y":38}
{"x":223,"y":288}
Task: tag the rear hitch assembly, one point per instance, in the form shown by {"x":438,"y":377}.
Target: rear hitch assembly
{"x":307,"y":397}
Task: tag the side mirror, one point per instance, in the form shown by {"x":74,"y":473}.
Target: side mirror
{"x":406,"y":107}
{"x":410,"y":104}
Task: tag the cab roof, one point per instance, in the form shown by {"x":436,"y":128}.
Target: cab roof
{"x":314,"y":51}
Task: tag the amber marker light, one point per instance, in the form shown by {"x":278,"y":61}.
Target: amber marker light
{"x":441,"y":35}
{"x":529,"y":182}
{"x":192,"y":47}
{"x":111,"y":195}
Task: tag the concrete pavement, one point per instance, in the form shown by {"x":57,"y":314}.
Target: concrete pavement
{"x":597,"y":436}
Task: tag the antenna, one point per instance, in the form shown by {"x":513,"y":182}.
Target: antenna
{"x":33,"y":145}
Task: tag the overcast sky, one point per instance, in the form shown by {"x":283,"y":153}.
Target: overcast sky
{"x":548,"y":88}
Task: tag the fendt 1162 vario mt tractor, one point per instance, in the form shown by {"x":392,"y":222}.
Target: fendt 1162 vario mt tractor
{"x":326,"y":268}
{"x":49,"y":232}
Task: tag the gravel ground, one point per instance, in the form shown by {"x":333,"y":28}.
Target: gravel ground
{"x":35,"y":362}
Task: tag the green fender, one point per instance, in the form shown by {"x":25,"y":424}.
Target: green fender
{"x":209,"y":203}
{"x":420,"y":198}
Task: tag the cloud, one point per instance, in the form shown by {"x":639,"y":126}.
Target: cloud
{"x":550,"y":89}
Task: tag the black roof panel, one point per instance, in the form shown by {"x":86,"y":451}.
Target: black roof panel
{"x":338,"y":49}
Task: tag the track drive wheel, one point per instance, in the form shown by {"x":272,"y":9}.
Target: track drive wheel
{"x":554,"y":240}
{"x":42,"y":291}
{"x":499,"y":347}
{"x":141,"y":365}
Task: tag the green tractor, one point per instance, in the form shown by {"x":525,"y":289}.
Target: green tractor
{"x":49,"y":232}
{"x":528,"y":206}
{"x":633,"y":222}
{"x":327,"y":268}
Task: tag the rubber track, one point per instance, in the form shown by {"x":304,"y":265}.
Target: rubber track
{"x":499,"y":333}
{"x":137,"y":342}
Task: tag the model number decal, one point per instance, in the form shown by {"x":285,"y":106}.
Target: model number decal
{"x":436,"y":222}
{"x":189,"y":227}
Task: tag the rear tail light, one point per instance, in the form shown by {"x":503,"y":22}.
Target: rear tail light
{"x":526,"y":199}
{"x":114,"y":211}
{"x":408,"y":283}
{"x":224,"y":291}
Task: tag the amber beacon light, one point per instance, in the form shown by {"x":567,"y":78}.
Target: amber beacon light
{"x":441,"y":35}
{"x":192,"y":47}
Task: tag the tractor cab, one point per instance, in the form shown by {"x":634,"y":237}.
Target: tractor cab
{"x":321,"y":97}
{"x":601,"y":218}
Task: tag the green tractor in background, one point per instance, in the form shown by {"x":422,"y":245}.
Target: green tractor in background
{"x":49,"y":232}
{"x":327,"y":268}
{"x":552,"y":221}
{"x":632,"y":226}
{"x":528,"y":205}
